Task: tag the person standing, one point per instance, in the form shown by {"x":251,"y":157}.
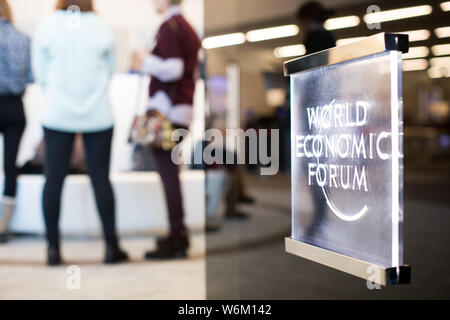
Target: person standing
{"x":73,"y":59}
{"x":172,"y":65}
{"x":15,"y":74}
{"x":312,"y":16}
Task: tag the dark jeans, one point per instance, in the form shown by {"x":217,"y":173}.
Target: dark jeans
{"x":58,"y":150}
{"x":12,"y":125}
{"x":172,"y":189}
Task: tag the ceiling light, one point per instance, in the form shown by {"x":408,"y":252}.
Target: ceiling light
{"x":445,"y":6}
{"x":276,"y":97}
{"x":434,"y":73}
{"x":417,"y":35}
{"x":397,"y":14}
{"x":290,"y":51}
{"x":343,"y":42}
{"x":440,"y":62}
{"x":441,"y":49}
{"x":223,"y":40}
{"x":437,"y":72}
{"x":416,"y":52}
{"x":443,"y":32}
{"x":273,"y":33}
{"x":415,"y":65}
{"x":342,"y":22}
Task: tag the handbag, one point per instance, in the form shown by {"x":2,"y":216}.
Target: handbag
{"x":153,"y":129}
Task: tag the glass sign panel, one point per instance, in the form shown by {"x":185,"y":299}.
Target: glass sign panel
{"x":346,"y":158}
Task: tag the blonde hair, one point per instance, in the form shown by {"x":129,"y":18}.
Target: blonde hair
{"x":5,"y":10}
{"x":84,"y":5}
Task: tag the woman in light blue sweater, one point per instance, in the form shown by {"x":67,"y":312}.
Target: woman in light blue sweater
{"x":73,"y":60}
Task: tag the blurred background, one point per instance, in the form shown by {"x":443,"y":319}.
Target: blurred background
{"x":246,"y":87}
{"x":141,"y":208}
{"x":247,"y":216}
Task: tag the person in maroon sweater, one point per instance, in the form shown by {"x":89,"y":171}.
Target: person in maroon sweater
{"x":172,"y":65}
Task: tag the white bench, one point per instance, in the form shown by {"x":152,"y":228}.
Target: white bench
{"x":139,"y":196}
{"x":140,"y":204}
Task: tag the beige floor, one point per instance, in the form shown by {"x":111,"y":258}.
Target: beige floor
{"x":23,"y":274}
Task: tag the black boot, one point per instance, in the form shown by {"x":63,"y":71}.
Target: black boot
{"x":171,"y":247}
{"x":53,"y":255}
{"x":113,"y":253}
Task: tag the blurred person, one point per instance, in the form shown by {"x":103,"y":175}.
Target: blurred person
{"x":242,"y":187}
{"x":224,"y":188}
{"x":173,"y":65}
{"x":15,"y":74}
{"x":312,"y":16}
{"x":221,"y":188}
{"x":143,"y":158}
{"x":74,"y":63}
{"x":217,"y":184}
{"x":236,"y":193}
